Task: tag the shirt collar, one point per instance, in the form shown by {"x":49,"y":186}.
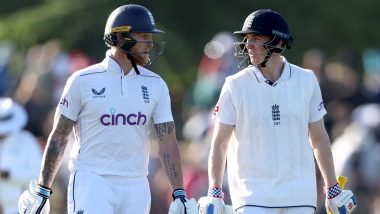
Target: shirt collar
{"x":113,"y":67}
{"x":285,"y":75}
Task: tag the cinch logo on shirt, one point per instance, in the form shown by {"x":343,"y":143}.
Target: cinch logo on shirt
{"x":122,"y":119}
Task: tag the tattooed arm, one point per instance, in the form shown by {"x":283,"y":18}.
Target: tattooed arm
{"x":55,"y":149}
{"x":169,"y":153}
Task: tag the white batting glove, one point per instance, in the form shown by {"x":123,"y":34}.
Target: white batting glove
{"x":339,"y":202}
{"x":182,"y":205}
{"x":35,"y":200}
{"x":213,"y":203}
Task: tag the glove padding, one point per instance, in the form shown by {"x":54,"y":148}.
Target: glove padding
{"x":343,"y":203}
{"x":179,"y":207}
{"x":213,"y":205}
{"x":34,"y":200}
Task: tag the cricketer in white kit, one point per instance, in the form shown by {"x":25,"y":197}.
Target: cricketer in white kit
{"x":280,"y":173}
{"x":112,"y":106}
{"x":114,"y":114}
{"x":269,"y":128}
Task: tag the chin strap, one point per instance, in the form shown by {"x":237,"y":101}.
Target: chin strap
{"x":268,"y":56}
{"x":264,"y":62}
{"x":132,"y":59}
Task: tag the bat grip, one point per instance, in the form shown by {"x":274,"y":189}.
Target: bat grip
{"x":342,"y":182}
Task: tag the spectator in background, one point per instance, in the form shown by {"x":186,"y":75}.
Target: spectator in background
{"x":6,"y":80}
{"x":371,"y":76}
{"x":20,"y":154}
{"x":356,"y":154}
{"x":46,"y":70}
{"x":216,"y":64}
{"x":315,"y":60}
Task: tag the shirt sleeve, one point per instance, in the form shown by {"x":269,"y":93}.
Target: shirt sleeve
{"x":225,"y":111}
{"x":71,"y":99}
{"x":317,"y":108}
{"x":162,"y":112}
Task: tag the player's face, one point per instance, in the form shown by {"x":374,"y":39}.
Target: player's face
{"x":255,"y":47}
{"x":141,"y":49}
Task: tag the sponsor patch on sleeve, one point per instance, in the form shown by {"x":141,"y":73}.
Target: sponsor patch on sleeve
{"x":216,"y":109}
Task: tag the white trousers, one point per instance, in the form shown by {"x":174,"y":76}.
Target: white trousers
{"x":263,"y":210}
{"x":92,"y":193}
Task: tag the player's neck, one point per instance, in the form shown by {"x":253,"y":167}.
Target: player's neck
{"x":122,"y":59}
{"x":273,"y":69}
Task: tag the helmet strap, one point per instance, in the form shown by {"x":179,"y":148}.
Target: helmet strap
{"x":132,"y":59}
{"x":128,"y":43}
{"x":264,"y":62}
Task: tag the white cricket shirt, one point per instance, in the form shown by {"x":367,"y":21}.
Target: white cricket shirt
{"x":114,"y":113}
{"x":270,"y":160}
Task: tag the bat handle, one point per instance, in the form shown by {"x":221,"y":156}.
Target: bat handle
{"x":342,"y":182}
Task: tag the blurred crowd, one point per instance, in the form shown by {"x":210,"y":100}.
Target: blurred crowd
{"x":350,"y":84}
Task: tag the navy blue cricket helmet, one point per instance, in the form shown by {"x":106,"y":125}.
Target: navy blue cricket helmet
{"x":267,"y":22}
{"x":129,"y":19}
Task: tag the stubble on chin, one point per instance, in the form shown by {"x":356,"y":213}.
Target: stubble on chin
{"x":141,"y":59}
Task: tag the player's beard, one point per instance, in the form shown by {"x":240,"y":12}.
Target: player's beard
{"x":141,"y":59}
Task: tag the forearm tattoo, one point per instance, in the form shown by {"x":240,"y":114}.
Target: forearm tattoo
{"x":170,"y":160}
{"x":170,"y":168}
{"x":164,"y":129}
{"x":55,"y":149}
